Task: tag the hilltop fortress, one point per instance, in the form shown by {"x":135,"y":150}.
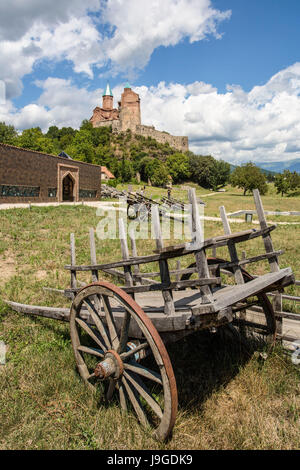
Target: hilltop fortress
{"x":128,"y":116}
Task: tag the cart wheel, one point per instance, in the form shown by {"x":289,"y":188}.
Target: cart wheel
{"x":100,"y":320}
{"x":137,"y":212}
{"x":262,"y":299}
{"x":131,"y":211}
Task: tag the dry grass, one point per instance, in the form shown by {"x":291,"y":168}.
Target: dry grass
{"x":228,"y":398}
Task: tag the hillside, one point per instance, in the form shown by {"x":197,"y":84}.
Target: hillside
{"x":93,"y":145}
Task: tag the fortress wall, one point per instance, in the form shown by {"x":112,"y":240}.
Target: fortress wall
{"x":104,"y":123}
{"x":178,"y":142}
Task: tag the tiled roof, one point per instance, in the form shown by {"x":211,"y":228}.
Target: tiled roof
{"x":107,"y":172}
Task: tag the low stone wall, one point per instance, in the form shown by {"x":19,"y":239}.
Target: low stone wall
{"x":178,"y":142}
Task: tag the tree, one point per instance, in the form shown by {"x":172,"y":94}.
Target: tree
{"x":160,"y":176}
{"x":146,"y":167}
{"x":154,"y":170}
{"x":249,"y":177}
{"x":178,"y":166}
{"x":8,"y":134}
{"x":82,"y":147}
{"x":219,"y":174}
{"x":208,"y":172}
{"x":200,"y":169}
{"x":126,"y":171}
{"x":294,"y":180}
{"x":34,"y":139}
{"x":53,"y":132}
{"x":281,"y":184}
{"x":29,"y":138}
{"x":286,"y":182}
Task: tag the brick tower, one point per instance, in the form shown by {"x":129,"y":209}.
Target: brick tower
{"x":107,"y":99}
{"x":130,"y":111}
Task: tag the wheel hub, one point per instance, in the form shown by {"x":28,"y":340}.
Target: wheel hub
{"x":111,"y":366}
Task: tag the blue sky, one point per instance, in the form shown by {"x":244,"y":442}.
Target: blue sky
{"x":224,"y":72}
{"x":260,"y":38}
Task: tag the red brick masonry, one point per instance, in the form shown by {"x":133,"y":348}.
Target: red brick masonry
{"x":26,"y":168}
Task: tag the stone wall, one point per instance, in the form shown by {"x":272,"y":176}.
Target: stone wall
{"x":109,"y":122}
{"x":178,"y":142}
{"x":103,"y":117}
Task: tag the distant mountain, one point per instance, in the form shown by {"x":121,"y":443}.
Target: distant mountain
{"x":278,"y":167}
{"x":263,"y":170}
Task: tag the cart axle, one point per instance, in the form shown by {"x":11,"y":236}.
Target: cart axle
{"x":112,"y":365}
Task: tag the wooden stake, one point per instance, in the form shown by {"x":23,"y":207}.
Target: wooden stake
{"x":231,"y":248}
{"x":93,"y":255}
{"x":73,"y":261}
{"x":125,"y":252}
{"x":200,"y":256}
{"x":136,"y":268}
{"x":163,"y":264}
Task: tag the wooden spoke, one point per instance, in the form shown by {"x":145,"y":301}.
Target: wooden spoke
{"x":98,"y":322}
{"x":92,"y":351}
{"x":90,"y":332}
{"x":148,"y":373}
{"x":124,"y":356}
{"x":117,"y":320}
{"x":142,"y":390}
{"x":124,"y":333}
{"x":110,"y":322}
{"x":111,"y":389}
{"x":135,"y":403}
{"x":122,"y":396}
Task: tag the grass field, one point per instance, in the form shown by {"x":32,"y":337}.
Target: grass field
{"x":228,"y":398}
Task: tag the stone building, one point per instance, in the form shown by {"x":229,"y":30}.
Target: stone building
{"x":26,"y":175}
{"x":128,"y":116}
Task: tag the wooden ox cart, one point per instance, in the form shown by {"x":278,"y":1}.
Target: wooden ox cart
{"x":119,"y":333}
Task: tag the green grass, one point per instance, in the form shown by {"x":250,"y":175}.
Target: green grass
{"x":228,"y":398}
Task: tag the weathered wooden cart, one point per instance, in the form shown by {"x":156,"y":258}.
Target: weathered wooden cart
{"x":139,"y":206}
{"x":119,"y":333}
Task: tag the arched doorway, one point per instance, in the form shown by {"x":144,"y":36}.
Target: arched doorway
{"x":68,"y":188}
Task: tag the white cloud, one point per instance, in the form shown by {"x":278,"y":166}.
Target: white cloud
{"x":142,"y":25}
{"x":18,"y":16}
{"x":197,"y":88}
{"x":60,"y":104}
{"x":237,"y":126}
{"x":122,"y":35}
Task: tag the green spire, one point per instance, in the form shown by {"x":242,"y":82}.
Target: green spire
{"x":108,"y":91}
{"x":127,"y":85}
